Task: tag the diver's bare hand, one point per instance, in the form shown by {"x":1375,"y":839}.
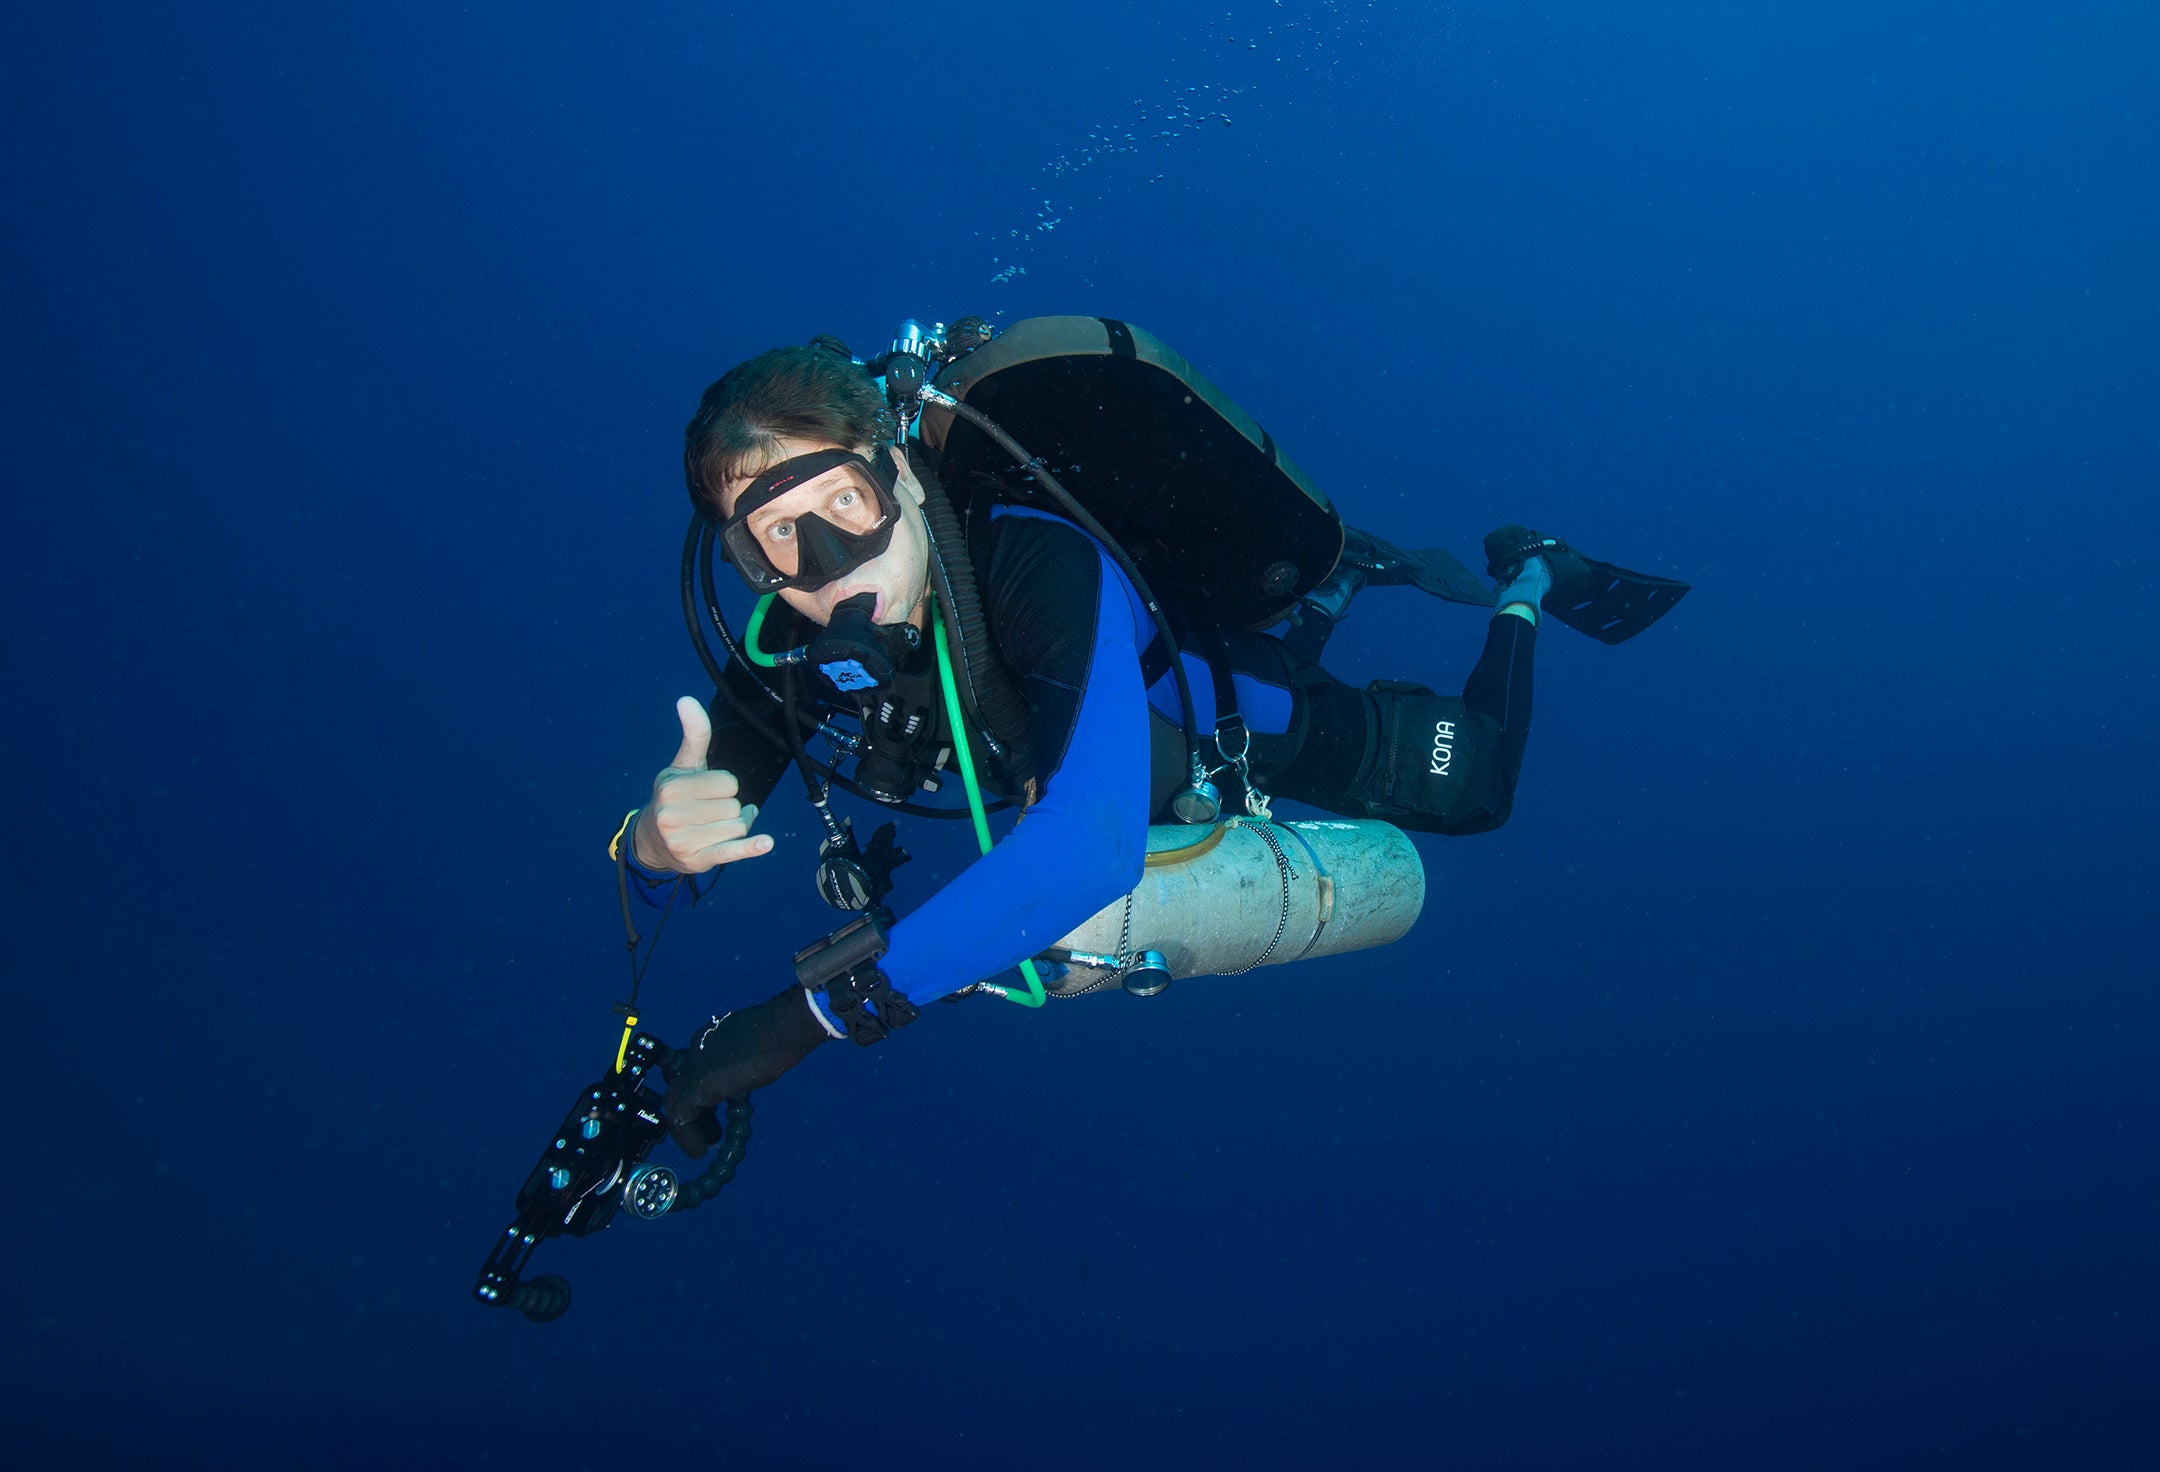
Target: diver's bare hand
{"x":694,"y":822}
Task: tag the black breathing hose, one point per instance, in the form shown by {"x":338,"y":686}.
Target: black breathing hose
{"x":992,"y":692}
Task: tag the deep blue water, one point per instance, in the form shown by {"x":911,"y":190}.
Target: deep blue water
{"x":1776,"y":1090}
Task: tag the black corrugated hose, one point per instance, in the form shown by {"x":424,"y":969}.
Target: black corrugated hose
{"x":992,"y":693}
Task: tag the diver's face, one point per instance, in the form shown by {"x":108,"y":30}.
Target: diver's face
{"x":899,"y":576}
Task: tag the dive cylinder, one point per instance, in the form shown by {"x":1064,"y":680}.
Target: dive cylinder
{"x":1233,"y":896}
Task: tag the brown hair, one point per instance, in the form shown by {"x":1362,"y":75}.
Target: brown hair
{"x":810,"y":393}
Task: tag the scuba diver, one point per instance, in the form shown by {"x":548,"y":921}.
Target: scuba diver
{"x":925,"y":579}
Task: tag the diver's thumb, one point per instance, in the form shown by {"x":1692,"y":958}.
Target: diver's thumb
{"x":696,"y":735}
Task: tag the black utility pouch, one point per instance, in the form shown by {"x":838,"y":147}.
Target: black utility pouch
{"x":1436,"y":767}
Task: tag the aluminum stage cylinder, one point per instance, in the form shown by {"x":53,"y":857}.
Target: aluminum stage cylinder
{"x":1239,"y":894}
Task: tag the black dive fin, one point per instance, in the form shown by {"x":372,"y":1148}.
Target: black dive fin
{"x":1611,"y":604}
{"x":1370,"y":561}
{"x":1432,"y":570}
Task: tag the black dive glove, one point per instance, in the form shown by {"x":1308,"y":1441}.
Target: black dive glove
{"x":745,"y":1050}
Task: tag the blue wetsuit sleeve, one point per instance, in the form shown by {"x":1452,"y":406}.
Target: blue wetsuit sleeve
{"x":1075,"y":851}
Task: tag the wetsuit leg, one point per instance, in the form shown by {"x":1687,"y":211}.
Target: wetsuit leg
{"x":1499,"y":687}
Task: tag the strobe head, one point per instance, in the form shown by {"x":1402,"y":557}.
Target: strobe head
{"x":650,"y":1191}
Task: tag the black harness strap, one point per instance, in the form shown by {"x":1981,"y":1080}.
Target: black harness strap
{"x":1233,"y":741}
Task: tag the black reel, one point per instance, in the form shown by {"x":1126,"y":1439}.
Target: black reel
{"x":593,"y":1168}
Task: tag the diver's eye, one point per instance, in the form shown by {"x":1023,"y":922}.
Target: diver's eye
{"x":781,"y":531}
{"x":846,"y":500}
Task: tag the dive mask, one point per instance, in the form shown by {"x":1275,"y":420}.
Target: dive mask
{"x":848,"y":524}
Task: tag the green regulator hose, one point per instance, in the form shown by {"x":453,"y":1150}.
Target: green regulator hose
{"x":751,"y":651}
{"x":1033,"y":996}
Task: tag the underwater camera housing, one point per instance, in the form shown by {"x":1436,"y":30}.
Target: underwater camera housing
{"x":593,"y":1168}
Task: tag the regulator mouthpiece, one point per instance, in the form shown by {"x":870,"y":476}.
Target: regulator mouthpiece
{"x":858,"y":656}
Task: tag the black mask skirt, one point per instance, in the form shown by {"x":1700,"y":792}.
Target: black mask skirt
{"x":823,"y":552}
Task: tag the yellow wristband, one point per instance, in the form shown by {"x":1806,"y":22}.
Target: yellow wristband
{"x":615,"y":844}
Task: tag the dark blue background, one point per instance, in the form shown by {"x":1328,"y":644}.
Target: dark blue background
{"x":1776,"y":1090}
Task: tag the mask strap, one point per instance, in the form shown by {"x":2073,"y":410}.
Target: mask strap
{"x":791,"y":473}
